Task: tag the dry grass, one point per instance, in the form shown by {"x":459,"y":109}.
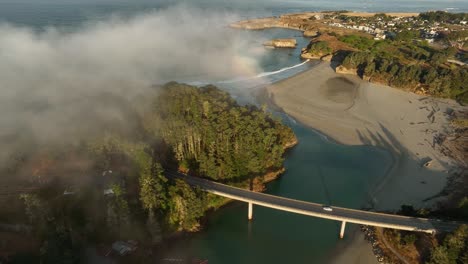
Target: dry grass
{"x":413,"y":253}
{"x":334,"y":43}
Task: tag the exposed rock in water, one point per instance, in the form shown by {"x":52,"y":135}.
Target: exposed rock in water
{"x":281,"y":43}
{"x":343,"y":70}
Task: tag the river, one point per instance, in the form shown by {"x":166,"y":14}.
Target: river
{"x":317,"y":170}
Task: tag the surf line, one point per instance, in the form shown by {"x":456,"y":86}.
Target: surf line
{"x":263,"y":74}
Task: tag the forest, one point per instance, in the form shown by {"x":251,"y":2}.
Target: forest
{"x":441,"y":16}
{"x":122,"y":193}
{"x":408,"y":64}
{"x":319,"y":48}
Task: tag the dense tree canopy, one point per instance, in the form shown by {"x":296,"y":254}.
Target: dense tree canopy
{"x":214,"y":137}
{"x":408,"y":65}
{"x":319,"y":48}
{"x":454,"y":248}
{"x":207,"y":134}
{"x":441,"y":16}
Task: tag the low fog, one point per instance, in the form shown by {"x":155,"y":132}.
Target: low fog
{"x":60,"y":87}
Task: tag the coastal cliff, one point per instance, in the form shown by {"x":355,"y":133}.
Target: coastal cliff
{"x":343,"y":70}
{"x":311,"y":33}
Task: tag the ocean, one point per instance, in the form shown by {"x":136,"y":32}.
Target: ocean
{"x":69,"y":13}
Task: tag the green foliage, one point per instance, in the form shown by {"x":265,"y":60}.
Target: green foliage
{"x":118,"y":213}
{"x":319,"y":48}
{"x":186,"y":206}
{"x":383,"y":16}
{"x":409,"y":239}
{"x":203,"y":130}
{"x":58,"y":247}
{"x":453,"y":249}
{"x":357,"y":59}
{"x":152,"y":193}
{"x":408,"y":65}
{"x":359,"y":42}
{"x":441,"y":16}
{"x":208,"y":134}
{"x":439,"y":255}
{"x":456,"y":39}
{"x":213,"y":136}
{"x":36,"y":210}
{"x":407,"y":35}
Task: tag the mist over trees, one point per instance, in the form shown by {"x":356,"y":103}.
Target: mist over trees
{"x":213,"y":136}
{"x":58,"y":86}
{"x":121,"y":191}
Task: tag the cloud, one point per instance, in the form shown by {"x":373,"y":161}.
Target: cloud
{"x":62,"y":87}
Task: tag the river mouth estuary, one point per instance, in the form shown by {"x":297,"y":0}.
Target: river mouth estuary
{"x":317,"y":170}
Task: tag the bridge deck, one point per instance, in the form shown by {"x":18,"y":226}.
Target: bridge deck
{"x":315,"y":209}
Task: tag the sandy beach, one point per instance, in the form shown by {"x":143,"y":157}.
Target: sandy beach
{"x":354,"y":112}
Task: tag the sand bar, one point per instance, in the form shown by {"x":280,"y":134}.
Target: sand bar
{"x":355,"y":112}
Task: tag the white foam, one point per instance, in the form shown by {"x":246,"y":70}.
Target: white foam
{"x":244,"y":79}
{"x":263,"y":74}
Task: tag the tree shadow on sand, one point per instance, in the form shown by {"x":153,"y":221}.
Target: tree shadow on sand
{"x":405,"y":164}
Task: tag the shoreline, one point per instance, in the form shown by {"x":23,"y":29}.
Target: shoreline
{"x":333,"y":134}
{"x":298,"y":97}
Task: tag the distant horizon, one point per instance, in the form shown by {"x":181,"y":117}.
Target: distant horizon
{"x":39,"y":13}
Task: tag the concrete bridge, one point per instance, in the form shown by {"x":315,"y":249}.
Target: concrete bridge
{"x":344,"y":215}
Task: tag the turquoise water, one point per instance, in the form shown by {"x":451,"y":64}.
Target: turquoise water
{"x":317,"y":170}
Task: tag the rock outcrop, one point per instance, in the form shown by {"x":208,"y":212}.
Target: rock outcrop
{"x":311,"y":33}
{"x":281,"y":43}
{"x":327,"y":57}
{"x":343,"y":70}
{"x":310,"y":56}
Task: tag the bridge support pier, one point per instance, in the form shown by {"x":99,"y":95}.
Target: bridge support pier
{"x":250,"y":215}
{"x":343,"y":224}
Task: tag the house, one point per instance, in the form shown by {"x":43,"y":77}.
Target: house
{"x":379,"y":36}
{"x":108,"y":191}
{"x":318,"y":16}
{"x":379,"y":31}
{"x":124,"y":247}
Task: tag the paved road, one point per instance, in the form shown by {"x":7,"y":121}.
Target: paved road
{"x":316,"y":210}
